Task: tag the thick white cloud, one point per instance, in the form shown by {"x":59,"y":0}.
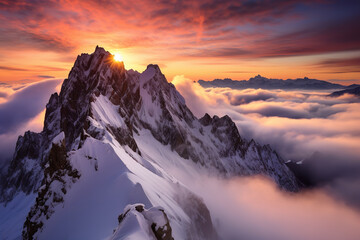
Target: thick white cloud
{"x":253,"y":208}
{"x":22,"y":109}
{"x":25,"y":104}
{"x":306,"y":119}
{"x":299,"y":125}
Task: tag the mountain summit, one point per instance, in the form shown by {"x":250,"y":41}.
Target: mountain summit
{"x":109,"y":161}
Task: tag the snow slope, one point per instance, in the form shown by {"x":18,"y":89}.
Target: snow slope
{"x":113,"y":176}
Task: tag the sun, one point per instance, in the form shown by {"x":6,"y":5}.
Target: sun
{"x":118,"y":57}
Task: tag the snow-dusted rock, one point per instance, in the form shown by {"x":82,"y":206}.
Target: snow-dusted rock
{"x":136,"y":222}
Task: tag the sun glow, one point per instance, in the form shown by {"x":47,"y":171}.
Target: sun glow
{"x":118,"y":57}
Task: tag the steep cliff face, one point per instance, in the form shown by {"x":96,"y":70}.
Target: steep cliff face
{"x":24,"y":172}
{"x":58,"y":177}
{"x":113,"y":133}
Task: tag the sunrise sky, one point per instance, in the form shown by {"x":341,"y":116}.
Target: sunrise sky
{"x":313,"y":131}
{"x":199,"y":39}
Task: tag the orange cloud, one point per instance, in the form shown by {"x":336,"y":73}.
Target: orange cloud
{"x":238,"y":38}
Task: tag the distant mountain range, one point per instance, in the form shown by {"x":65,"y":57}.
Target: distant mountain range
{"x":354,"y":91}
{"x":269,"y":83}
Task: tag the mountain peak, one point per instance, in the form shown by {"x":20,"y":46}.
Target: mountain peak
{"x":153,"y":77}
{"x":100,"y":61}
{"x":155,"y":66}
{"x":99,"y":50}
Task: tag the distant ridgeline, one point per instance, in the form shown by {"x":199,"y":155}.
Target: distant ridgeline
{"x":269,"y":83}
{"x":354,"y":91}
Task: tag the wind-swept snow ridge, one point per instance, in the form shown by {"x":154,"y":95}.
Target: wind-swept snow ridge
{"x":109,"y":140}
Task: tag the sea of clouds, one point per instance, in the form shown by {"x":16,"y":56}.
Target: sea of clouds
{"x":300,"y":125}
{"x":308,"y":126}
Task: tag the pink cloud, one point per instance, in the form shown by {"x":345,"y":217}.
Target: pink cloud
{"x":299,"y":125}
{"x":254,"y":208}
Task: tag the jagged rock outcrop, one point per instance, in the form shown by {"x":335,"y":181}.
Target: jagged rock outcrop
{"x":153,"y":223}
{"x":58,"y":177}
{"x":24,"y":172}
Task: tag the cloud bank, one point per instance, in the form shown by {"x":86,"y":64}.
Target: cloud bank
{"x":253,"y":208}
{"x":21,"y":110}
{"x":310,"y":126}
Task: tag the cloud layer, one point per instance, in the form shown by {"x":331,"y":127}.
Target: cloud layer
{"x":299,"y":125}
{"x":253,"y":208}
{"x":21,"y":110}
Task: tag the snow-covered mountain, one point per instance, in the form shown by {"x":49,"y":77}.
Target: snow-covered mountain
{"x":105,"y":165}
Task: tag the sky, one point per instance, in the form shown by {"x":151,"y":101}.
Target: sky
{"x":208,"y":39}
{"x":204,"y":39}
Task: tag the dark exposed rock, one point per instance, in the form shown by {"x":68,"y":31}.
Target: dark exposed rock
{"x":52,"y":123}
{"x":162,"y":232}
{"x":23,"y":173}
{"x":122,"y":216}
{"x":125,"y":137}
{"x":226,"y":131}
{"x":206,"y":120}
{"x":58,"y":169}
{"x":139,"y":208}
{"x":26,"y":146}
